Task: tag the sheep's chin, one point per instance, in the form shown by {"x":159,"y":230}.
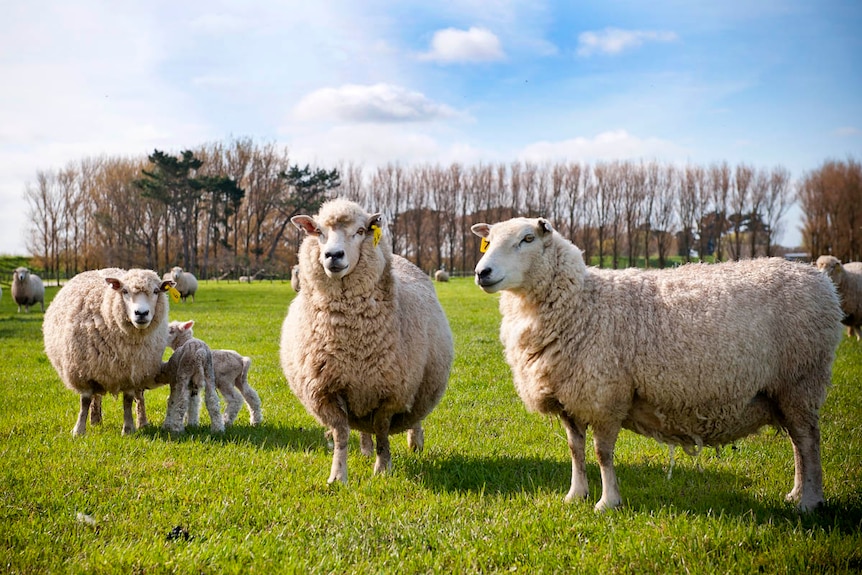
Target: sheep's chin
{"x":337,"y":273}
{"x":141,"y":325}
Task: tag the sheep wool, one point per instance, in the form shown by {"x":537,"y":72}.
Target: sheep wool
{"x":27,"y":289}
{"x":848,"y":281}
{"x":106,"y":332}
{"x":699,"y":355}
{"x":365,"y":344}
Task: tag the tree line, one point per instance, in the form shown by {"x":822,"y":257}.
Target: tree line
{"x":224,"y":209}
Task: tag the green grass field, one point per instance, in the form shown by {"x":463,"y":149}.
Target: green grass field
{"x":486,"y":495}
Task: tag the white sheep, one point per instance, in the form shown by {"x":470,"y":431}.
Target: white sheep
{"x":189,"y":371}
{"x":441,"y":275}
{"x":848,"y":281}
{"x":231,"y":375}
{"x":694,"y":356}
{"x":294,"y":278}
{"x":185,"y":282}
{"x":27,"y":289}
{"x":106,"y":332}
{"x":365,"y":344}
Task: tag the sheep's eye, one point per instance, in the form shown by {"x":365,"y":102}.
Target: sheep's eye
{"x":360,"y":232}
{"x":529,"y":238}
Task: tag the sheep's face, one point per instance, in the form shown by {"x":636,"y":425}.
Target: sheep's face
{"x":340,"y":240}
{"x":21,"y":275}
{"x":140,"y":293}
{"x":179,"y":332}
{"x":510,"y":249}
{"x":831,"y":266}
{"x":176,"y":273}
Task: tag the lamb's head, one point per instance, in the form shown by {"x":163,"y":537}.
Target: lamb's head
{"x":179,"y":332}
{"x":21,"y":275}
{"x":831,"y":266}
{"x":141,"y":290}
{"x":176,"y":272}
{"x":512,"y":249}
{"x":342,"y":228}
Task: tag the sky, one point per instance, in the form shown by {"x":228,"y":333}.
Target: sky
{"x":767,"y":83}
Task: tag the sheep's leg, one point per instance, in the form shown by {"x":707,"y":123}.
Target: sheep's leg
{"x":128,"y":422}
{"x":81,"y":425}
{"x":193,"y":413}
{"x":416,"y":438}
{"x":96,"y":410}
{"x":576,"y":437}
{"x":804,"y":431}
{"x":382,"y":423}
{"x":366,"y":444}
{"x":141,"y":409}
{"x":252,"y":399}
{"x":604,"y":439}
{"x":233,"y":402}
{"x":177,"y":405}
{"x":213,"y":407}
{"x":340,"y":435}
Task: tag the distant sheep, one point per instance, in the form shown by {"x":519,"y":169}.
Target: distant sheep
{"x":365,"y":343}
{"x":231,"y":376}
{"x":185,"y":282}
{"x":848,"y":281}
{"x":189,"y":372}
{"x":27,"y":289}
{"x":106,"y":332}
{"x":294,"y":278}
{"x":693,"y":356}
{"x":441,"y":276}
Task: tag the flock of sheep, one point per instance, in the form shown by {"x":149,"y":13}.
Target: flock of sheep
{"x":700,"y":355}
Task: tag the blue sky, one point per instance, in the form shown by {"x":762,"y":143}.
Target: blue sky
{"x":766,"y":83}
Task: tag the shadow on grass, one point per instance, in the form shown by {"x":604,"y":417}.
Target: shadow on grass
{"x":266,"y":436}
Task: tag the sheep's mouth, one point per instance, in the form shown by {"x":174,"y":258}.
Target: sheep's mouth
{"x":141,"y":324}
{"x":488,"y":284}
{"x":335,"y":270}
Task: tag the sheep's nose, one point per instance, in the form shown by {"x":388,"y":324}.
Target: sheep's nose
{"x":142,"y":313}
{"x":483,"y":273}
{"x":336,"y":254}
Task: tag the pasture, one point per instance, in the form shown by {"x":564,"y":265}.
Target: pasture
{"x":486,"y":495}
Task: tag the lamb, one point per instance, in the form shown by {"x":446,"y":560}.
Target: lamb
{"x":189,"y":371}
{"x":694,"y":356}
{"x":27,"y":289}
{"x":848,"y":281}
{"x":365,"y":344}
{"x":441,"y":275}
{"x":185,"y":282}
{"x":294,"y":278}
{"x":231,"y":375}
{"x":106,"y":332}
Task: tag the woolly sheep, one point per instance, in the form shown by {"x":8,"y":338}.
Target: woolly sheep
{"x":365,"y":344}
{"x":694,"y":356}
{"x":848,"y":281}
{"x":294,"y":278}
{"x":185,"y":282}
{"x":106,"y":332}
{"x":231,"y":375}
{"x":441,"y":276}
{"x":189,"y":371}
{"x":27,"y":289}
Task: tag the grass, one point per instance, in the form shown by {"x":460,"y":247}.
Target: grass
{"x":485,"y":496}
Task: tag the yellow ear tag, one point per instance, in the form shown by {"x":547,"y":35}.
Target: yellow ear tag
{"x":483,"y":247}
{"x":378,"y":233}
{"x":175,"y":294}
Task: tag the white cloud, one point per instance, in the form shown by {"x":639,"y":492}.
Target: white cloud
{"x":378,"y":103}
{"x":846,"y":131}
{"x":610,"y":145}
{"x":455,"y":46}
{"x":614,"y":40}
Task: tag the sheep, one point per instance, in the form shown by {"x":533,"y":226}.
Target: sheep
{"x":294,"y":278}
{"x":693,"y":356}
{"x":189,"y":371}
{"x":365,"y":343}
{"x":185,"y":282}
{"x":848,"y":281}
{"x":27,"y":289}
{"x":231,"y":375}
{"x":105,"y":332}
{"x":441,"y":275}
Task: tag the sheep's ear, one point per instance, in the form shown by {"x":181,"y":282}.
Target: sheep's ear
{"x":481,"y":230}
{"x":166,"y":285}
{"x":188,"y":325}
{"x":114,"y":283}
{"x":545,"y":226}
{"x":306,"y":224}
{"x":374,"y":220}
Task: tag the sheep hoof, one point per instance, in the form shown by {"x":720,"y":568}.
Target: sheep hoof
{"x":575,"y":496}
{"x":366,"y":444}
{"x":381,"y":466}
{"x":603,"y":505}
{"x":78,"y":432}
{"x":416,"y":439}
{"x":128,"y":429}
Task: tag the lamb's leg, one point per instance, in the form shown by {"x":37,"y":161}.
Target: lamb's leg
{"x":178,"y":402}
{"x":141,"y":409}
{"x":193,"y":413}
{"x":252,"y":399}
{"x":213,"y":406}
{"x":128,"y":422}
{"x":96,"y":410}
{"x":804,"y":431}
{"x":366,"y":444}
{"x":575,"y":435}
{"x":416,"y":438}
{"x":233,"y":401}
{"x":81,"y":425}
{"x":604,"y":439}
